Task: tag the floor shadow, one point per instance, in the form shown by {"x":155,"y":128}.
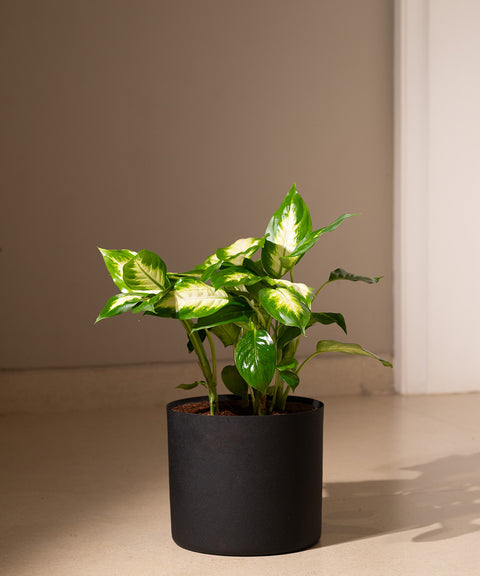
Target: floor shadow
{"x":444,"y":499}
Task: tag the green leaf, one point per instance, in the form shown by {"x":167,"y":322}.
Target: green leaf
{"x":355,"y":349}
{"x":288,"y":228}
{"x":288,"y":333}
{"x":340,"y":274}
{"x":222,"y":323}
{"x":191,"y":298}
{"x":284,"y":305}
{"x":207,"y":273}
{"x":228,"y":314}
{"x":202,"y":335}
{"x":115,"y":260}
{"x":255,"y":358}
{"x":119,"y":304}
{"x":291,"y":378}
{"x":312,"y":238}
{"x":254,"y":266}
{"x":233,"y":276}
{"x":228,"y":334}
{"x":287,"y":364}
{"x":146,"y":272}
{"x":327,"y":318}
{"x":234,"y":382}
{"x":192,"y":385}
{"x":147,"y":305}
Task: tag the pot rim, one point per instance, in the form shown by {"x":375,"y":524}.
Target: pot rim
{"x":316,"y":405}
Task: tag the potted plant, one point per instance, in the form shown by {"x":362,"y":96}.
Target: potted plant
{"x":248,"y":479}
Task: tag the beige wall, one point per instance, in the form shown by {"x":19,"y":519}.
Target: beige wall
{"x":178,"y":127}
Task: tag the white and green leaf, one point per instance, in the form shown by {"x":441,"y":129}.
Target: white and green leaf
{"x":147,"y":305}
{"x":207,"y":272}
{"x":191,"y":298}
{"x":310,"y":241}
{"x":288,"y":228}
{"x":233,"y":276}
{"x":304,"y":292}
{"x":285,"y":306}
{"x":115,"y":260}
{"x":348,"y":348}
{"x":255,"y":359}
{"x":240,"y":249}
{"x":146,"y":272}
{"x":233,"y":254}
{"x":119,"y":304}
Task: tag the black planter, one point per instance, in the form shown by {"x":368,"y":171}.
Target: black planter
{"x":246,"y":485}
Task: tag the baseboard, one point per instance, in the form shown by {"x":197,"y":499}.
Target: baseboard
{"x":67,"y":389}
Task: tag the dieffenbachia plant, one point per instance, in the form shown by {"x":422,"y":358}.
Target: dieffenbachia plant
{"x":245,"y":303}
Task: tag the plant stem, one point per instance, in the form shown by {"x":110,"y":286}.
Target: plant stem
{"x":204,"y":365}
{"x":213,"y":356}
{"x":305,"y":361}
{"x":321,"y":287}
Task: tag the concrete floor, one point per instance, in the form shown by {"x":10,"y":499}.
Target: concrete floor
{"x":86,"y":493}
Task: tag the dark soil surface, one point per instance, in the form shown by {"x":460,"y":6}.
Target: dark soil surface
{"x":232,"y":408}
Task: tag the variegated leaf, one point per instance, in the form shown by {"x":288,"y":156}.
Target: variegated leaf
{"x":304,"y":292}
{"x":240,"y":249}
{"x":285,"y":306}
{"x":288,"y":228}
{"x":233,"y":276}
{"x":119,"y":304}
{"x":146,"y":272}
{"x":355,"y":349}
{"x":233,"y":254}
{"x":207,"y":273}
{"x":147,"y":305}
{"x":191,"y":298}
{"x":311,"y":240}
{"x":210,"y":261}
{"x":115,"y":260}
{"x":255,"y":358}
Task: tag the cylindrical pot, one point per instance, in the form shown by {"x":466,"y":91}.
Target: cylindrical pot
{"x":246,"y":485}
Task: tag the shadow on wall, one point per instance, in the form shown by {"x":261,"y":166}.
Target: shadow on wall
{"x":444,"y":499}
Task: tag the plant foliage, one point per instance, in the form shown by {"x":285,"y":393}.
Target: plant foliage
{"x":245,"y":303}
